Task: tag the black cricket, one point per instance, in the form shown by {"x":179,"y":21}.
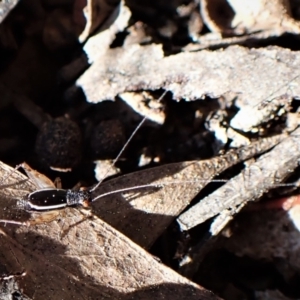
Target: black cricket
{"x":50,"y":199}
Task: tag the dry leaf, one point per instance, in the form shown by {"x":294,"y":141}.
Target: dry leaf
{"x":92,"y":260}
{"x":93,"y":14}
{"x":145,"y":105}
{"x":244,"y":17}
{"x":80,"y":257}
{"x":97,"y":45}
{"x":194,"y":75}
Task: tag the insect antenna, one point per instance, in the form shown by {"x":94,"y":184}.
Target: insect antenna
{"x":125,"y":146}
{"x":155,"y":185}
{"x":267,"y":99}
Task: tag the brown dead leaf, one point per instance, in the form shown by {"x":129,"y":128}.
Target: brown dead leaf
{"x":194,"y":75}
{"x":13,"y":183}
{"x":144,"y":215}
{"x":91,"y":261}
{"x":80,"y":257}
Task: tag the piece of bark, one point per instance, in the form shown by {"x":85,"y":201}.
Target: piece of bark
{"x":270,"y":169}
{"x":191,"y":76}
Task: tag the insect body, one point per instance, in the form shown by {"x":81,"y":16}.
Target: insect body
{"x":49,"y":199}
{"x":49,"y":195}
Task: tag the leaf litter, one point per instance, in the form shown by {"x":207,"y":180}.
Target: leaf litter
{"x":89,"y":251}
{"x":83,"y":234}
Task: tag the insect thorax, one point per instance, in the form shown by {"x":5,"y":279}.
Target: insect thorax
{"x":78,"y":198}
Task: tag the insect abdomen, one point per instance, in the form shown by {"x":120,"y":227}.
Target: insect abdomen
{"x":46,"y":200}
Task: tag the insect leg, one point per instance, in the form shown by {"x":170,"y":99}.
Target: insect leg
{"x":57,"y":183}
{"x":41,"y":181}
